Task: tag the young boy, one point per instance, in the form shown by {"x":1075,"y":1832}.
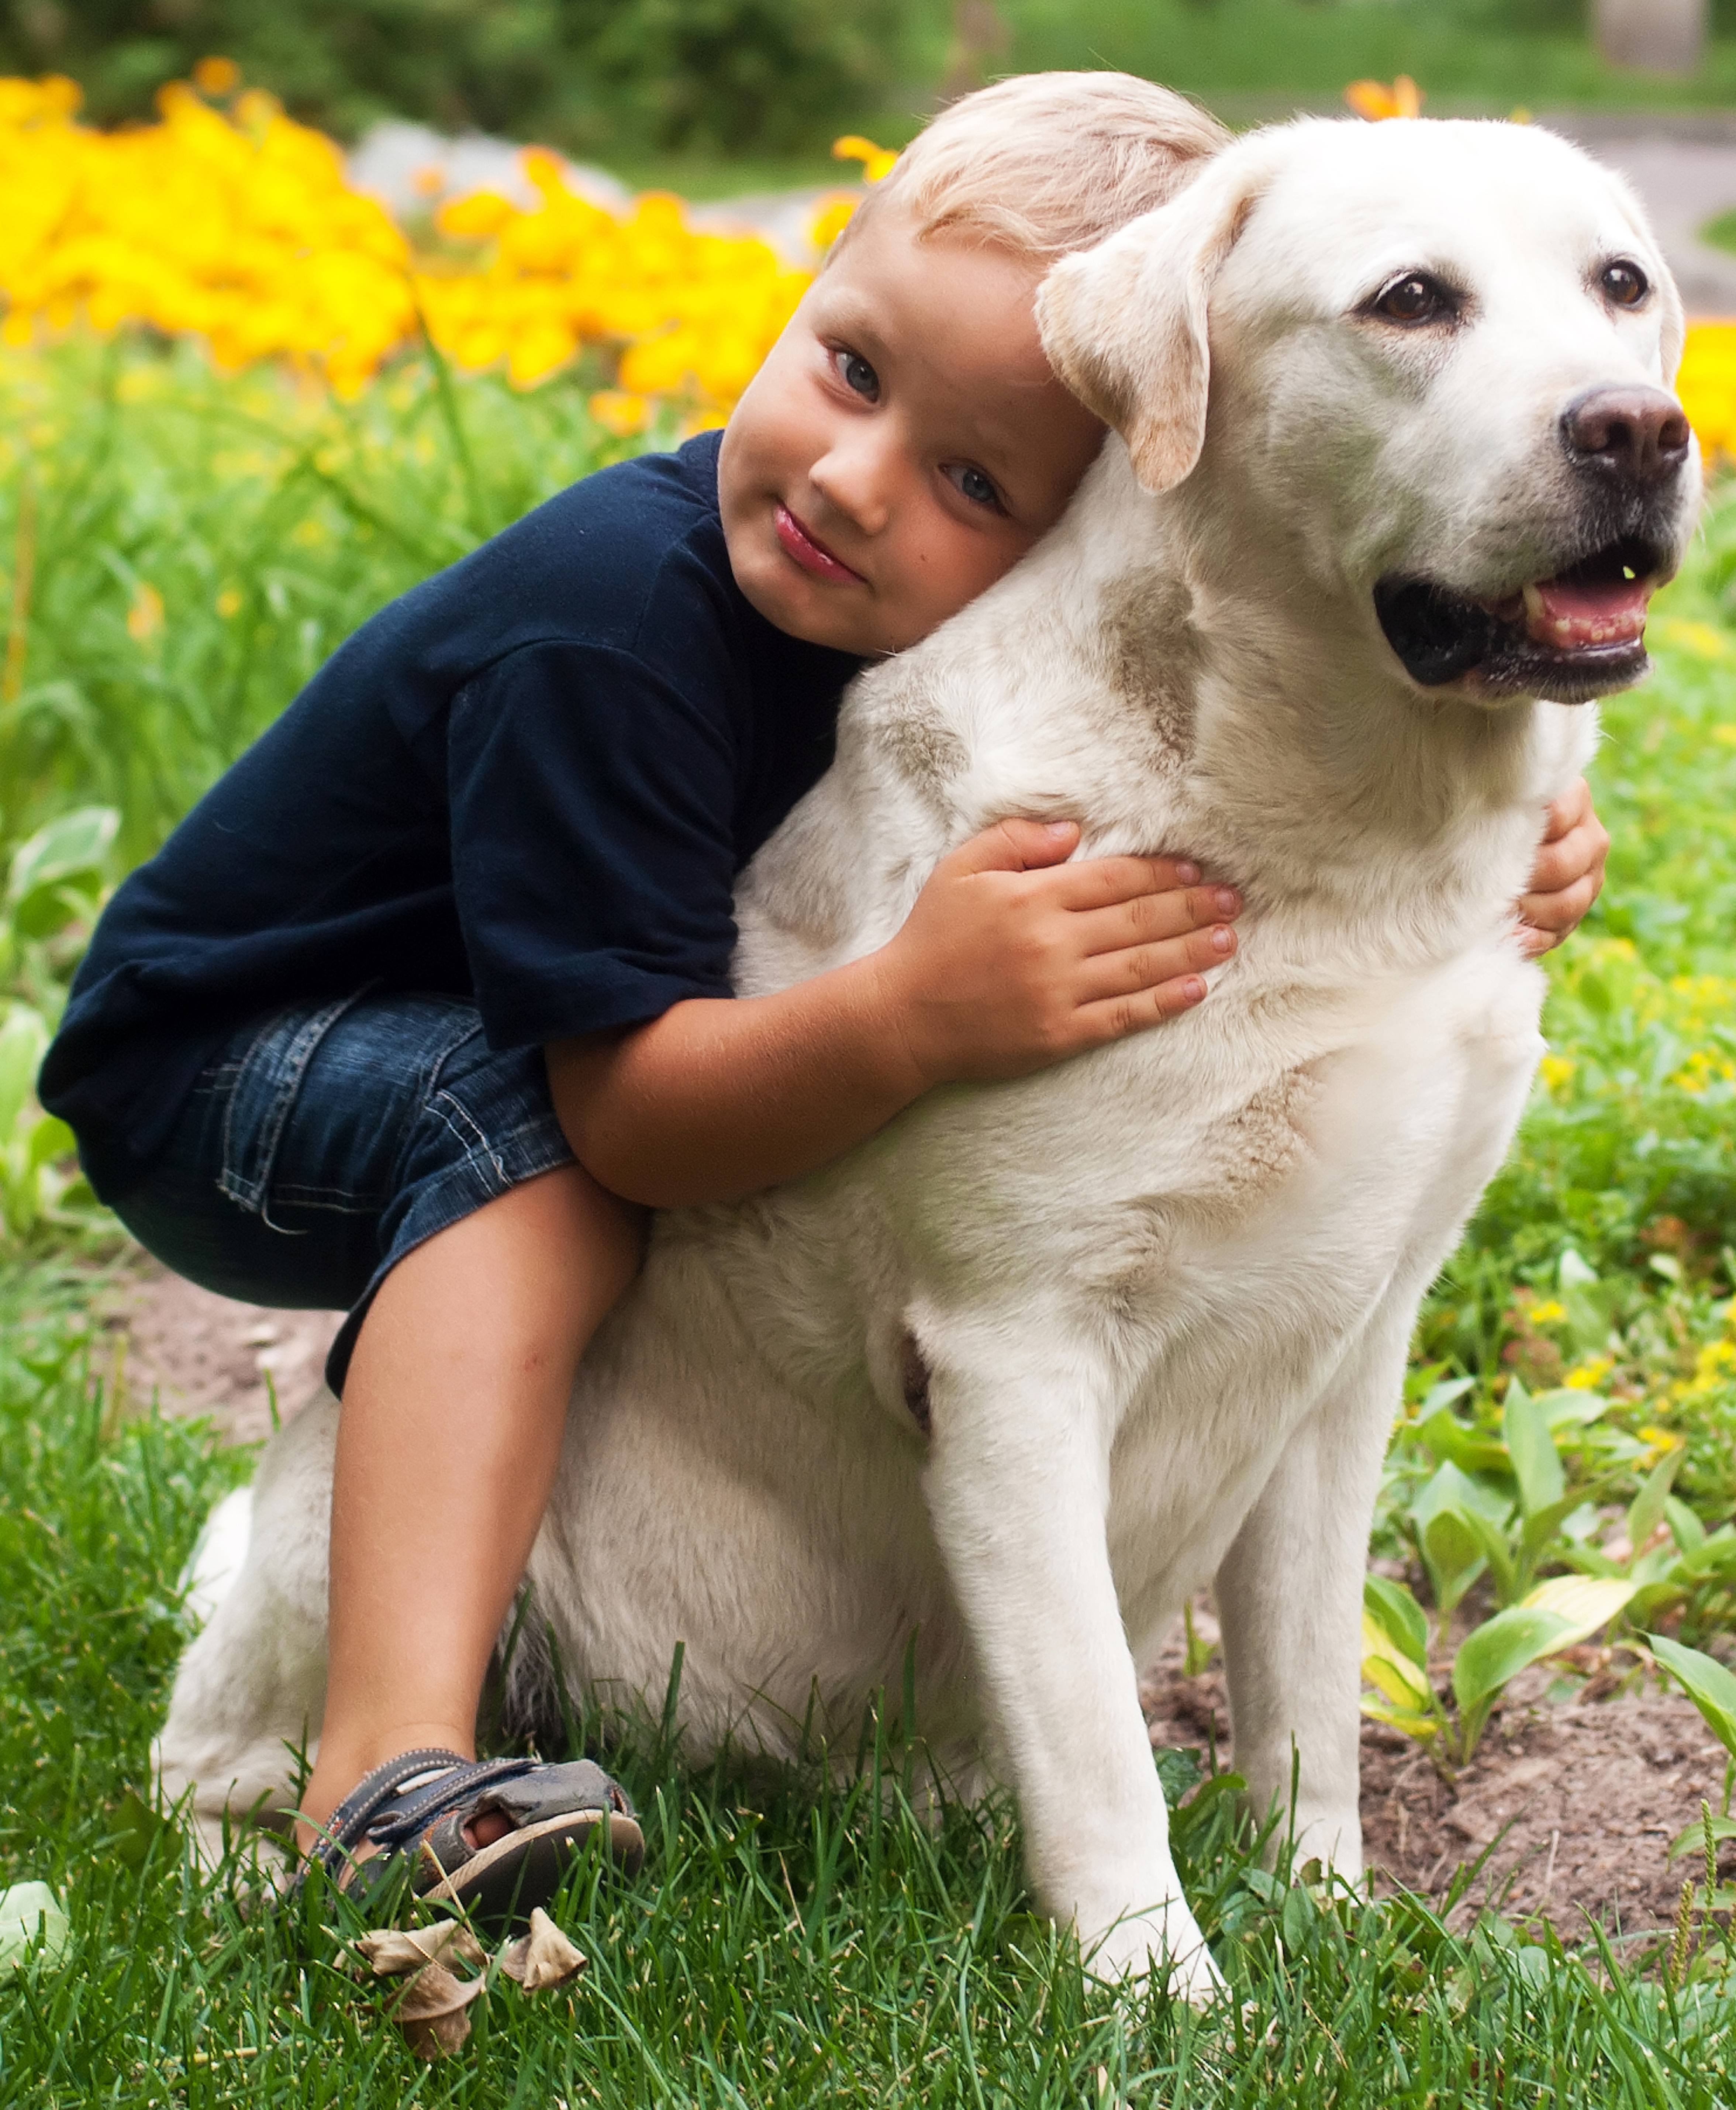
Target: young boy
{"x":432,"y":987}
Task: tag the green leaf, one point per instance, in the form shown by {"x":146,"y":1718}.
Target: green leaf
{"x":1502,"y":1647}
{"x":1531,"y":1448}
{"x":1646,"y":1511}
{"x":1691,"y":1838}
{"x":29,"y":1911}
{"x":76,"y":845}
{"x":1705,"y":1681}
{"x":1399,"y":1616}
{"x":1567,"y":1407}
{"x":1686,"y":1528}
{"x":24,"y":1041}
{"x":1447,"y":1514}
{"x":1453,"y":1441}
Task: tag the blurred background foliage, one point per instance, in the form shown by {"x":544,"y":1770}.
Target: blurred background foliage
{"x":617,"y":79}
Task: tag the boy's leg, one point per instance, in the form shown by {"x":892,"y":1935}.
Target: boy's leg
{"x":453,"y":1409}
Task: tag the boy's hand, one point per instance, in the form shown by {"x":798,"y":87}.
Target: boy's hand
{"x":1568,"y":875}
{"x":1012,"y":959}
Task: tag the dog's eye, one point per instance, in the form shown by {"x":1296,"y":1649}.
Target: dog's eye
{"x":1415,"y":298}
{"x":1625,"y":283}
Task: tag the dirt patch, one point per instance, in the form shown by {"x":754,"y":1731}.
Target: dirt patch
{"x":201,"y":1354}
{"x":1577,"y":1800}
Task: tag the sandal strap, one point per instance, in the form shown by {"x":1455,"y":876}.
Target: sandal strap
{"x":348,"y":1825}
{"x":457,"y":1790}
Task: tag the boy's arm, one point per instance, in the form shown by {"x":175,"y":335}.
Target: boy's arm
{"x":1568,"y":875}
{"x":1010,"y":959}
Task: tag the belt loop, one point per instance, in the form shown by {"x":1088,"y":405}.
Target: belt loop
{"x":274,"y":1067}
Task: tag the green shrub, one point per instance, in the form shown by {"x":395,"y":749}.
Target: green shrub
{"x":593,"y":76}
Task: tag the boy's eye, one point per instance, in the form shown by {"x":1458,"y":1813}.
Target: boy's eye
{"x":856,"y":375}
{"x":971,"y":483}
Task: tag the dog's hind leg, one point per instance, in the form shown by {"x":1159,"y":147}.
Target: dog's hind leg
{"x":1018,"y":1488}
{"x":250,"y":1689}
{"x":1290,"y":1595}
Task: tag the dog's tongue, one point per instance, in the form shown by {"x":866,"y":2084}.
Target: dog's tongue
{"x":1567,"y":614}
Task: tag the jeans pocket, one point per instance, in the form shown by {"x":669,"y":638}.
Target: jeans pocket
{"x":264,"y":1094}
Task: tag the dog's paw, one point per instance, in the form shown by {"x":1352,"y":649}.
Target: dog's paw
{"x":1164,"y":1947}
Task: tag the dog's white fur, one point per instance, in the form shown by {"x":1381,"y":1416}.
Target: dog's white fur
{"x":1159,"y":1297}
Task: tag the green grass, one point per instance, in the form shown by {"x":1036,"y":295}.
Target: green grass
{"x":790,"y":1942}
{"x":1282,"y":53}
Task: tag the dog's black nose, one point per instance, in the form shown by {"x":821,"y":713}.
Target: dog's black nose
{"x":1637,"y":435}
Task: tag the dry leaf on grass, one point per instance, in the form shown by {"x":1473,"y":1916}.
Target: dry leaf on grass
{"x":542,"y":1958}
{"x":432,"y":2011}
{"x":392,"y":1951}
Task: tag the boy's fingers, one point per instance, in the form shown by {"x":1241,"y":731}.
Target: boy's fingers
{"x":1138,"y":968}
{"x":1560,"y":910}
{"x":1566,"y":812}
{"x":1154,"y":916}
{"x":1106,"y":882}
{"x":1115,"y":1017}
{"x":1013,"y":846}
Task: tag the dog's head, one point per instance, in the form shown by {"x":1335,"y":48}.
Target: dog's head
{"x":1427,"y":369}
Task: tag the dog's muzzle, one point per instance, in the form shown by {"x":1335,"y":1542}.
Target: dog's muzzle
{"x":1579,"y":633}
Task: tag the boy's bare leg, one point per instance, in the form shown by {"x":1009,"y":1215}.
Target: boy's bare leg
{"x":453,"y":1414}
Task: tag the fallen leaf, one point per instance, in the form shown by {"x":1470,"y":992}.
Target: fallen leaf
{"x":542,"y":1958}
{"x":27,"y":1910}
{"x":391,"y":1950}
{"x":430,"y":2011}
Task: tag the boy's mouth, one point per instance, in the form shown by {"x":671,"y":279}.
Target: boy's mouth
{"x":805,"y":548}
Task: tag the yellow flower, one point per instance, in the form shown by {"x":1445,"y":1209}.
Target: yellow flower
{"x":620,"y":413}
{"x":831,"y":217}
{"x":1588,"y":1375}
{"x":1375,"y":100}
{"x":877,"y":162}
{"x":229,"y":602}
{"x":1549,"y":1313}
{"x":216,"y":77}
{"x":1703,"y":640}
{"x":1556,"y":1071}
{"x":145,"y":617}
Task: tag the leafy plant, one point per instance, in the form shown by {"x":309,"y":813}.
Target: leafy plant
{"x":53,"y":885}
{"x":1554,"y":1615}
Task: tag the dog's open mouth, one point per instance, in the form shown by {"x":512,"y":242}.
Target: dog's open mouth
{"x":1579,"y":634}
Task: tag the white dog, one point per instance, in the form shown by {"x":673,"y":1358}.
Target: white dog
{"x":1041,"y":1358}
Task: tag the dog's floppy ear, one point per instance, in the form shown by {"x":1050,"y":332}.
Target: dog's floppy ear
{"x":1124,"y":325}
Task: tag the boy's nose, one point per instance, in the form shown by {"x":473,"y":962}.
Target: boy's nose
{"x":858,"y":480}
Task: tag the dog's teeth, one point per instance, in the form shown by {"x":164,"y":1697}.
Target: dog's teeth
{"x":1532,"y":596}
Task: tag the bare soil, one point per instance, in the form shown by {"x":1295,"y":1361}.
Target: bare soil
{"x":1576,"y":1801}
{"x":200,"y":1354}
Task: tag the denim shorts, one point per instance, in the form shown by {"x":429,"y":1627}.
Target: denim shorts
{"x":327,"y":1141}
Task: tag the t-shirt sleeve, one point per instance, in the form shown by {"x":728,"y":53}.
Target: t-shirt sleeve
{"x":592,"y":846}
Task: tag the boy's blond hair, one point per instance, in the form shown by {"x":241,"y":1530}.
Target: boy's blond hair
{"x":1046,"y":163}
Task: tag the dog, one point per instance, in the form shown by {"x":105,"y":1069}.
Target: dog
{"x":1393,"y":467}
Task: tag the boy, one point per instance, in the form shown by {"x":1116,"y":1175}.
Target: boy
{"x":433,"y":985}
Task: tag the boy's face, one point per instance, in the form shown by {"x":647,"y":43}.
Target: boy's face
{"x":904,"y":444}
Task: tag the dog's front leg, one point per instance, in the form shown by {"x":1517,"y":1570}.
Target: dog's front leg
{"x":1290,"y":1595}
{"x":1018,"y":1484}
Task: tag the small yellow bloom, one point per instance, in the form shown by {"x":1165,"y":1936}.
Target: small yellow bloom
{"x":1373,"y":99}
{"x":1588,"y":1375}
{"x":216,"y":76}
{"x":831,"y":217}
{"x":145,"y":617}
{"x":1549,"y":1313}
{"x":877,"y":162}
{"x":1703,"y":640}
{"x":620,"y":412}
{"x":1557,"y":1070}
{"x":229,"y":602}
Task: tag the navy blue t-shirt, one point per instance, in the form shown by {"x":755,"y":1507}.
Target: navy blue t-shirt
{"x":531,"y":781}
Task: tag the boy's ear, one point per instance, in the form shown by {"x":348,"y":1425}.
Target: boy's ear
{"x":1124,"y":325}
